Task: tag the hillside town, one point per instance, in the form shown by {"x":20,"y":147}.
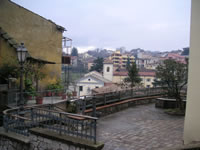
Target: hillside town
{"x":62,"y":89}
{"x":114,"y":68}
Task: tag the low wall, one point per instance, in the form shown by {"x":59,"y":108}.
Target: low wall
{"x":167,"y":103}
{"x":40,"y":139}
{"x":115,"y":107}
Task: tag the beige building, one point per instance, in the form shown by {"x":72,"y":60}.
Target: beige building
{"x":41,"y":37}
{"x":120,"y":60}
{"x":147,"y":78}
{"x":118,"y":77}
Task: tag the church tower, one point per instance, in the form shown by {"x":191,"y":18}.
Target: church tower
{"x":108,"y":69}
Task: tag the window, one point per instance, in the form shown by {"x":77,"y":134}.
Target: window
{"x":80,"y":88}
{"x":108,"y":69}
{"x":96,"y":87}
{"x":148,"y":80}
{"x":88,"y":79}
{"x":148,"y":86}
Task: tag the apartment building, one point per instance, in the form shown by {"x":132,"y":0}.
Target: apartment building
{"x":120,"y":60}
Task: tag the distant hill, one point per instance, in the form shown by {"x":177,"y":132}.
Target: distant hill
{"x":100,"y":53}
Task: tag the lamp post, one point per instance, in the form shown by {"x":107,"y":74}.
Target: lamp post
{"x":21,"y":55}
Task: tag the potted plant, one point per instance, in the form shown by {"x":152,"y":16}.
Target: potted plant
{"x":59,"y":88}
{"x":74,"y":93}
{"x":55,"y":89}
{"x":69,"y":94}
{"x":39,"y":99}
{"x":49,"y":90}
{"x":64,"y":96}
{"x":30,"y":90}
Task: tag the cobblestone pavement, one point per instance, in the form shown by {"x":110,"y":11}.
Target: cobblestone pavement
{"x":142,"y":127}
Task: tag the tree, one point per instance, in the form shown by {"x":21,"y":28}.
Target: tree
{"x":74,"y":51}
{"x":8,"y":71}
{"x":33,"y":71}
{"x":133,"y":76}
{"x":128,"y":63}
{"x":186,"y":51}
{"x":172,"y":75}
{"x":98,"y":65}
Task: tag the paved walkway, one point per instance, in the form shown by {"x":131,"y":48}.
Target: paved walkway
{"x":141,"y":127}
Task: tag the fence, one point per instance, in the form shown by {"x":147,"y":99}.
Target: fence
{"x":21,"y":120}
{"x":14,"y":96}
{"x":108,"y":98}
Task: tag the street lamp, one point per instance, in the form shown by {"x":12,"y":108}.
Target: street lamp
{"x":21,"y":55}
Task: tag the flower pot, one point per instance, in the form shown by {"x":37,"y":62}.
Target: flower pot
{"x":74,"y":93}
{"x":59,"y":94}
{"x":29,"y":97}
{"x":48,"y":93}
{"x":39,"y":100}
{"x":64,"y":96}
{"x":53,"y":94}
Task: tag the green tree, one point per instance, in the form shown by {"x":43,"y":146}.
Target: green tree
{"x":7,"y":71}
{"x":98,"y":65}
{"x":133,"y":76}
{"x":128,"y":63}
{"x":172,"y":75}
{"x":74,"y":51}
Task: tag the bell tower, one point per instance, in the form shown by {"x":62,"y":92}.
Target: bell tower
{"x":108,"y":69}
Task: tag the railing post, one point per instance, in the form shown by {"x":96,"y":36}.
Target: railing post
{"x":5,"y":125}
{"x":95,"y":131}
{"x":77,"y":106}
{"x":83,"y":106}
{"x":94,"y":106}
{"x":104,"y":99}
{"x":119,"y":95}
{"x":60,"y":131}
{"x":131,"y":92}
{"x":31,"y":115}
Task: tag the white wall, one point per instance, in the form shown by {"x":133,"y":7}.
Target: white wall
{"x":90,"y":83}
{"x":192,"y":118}
{"x":106,"y":74}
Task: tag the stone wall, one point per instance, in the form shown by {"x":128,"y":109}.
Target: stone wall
{"x":115,"y":107}
{"x":41,"y":143}
{"x":7,"y":144}
{"x":37,"y":143}
{"x":38,"y":140}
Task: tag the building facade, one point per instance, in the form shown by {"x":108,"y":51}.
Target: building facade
{"x":108,"y":70}
{"x":41,"y":37}
{"x":148,"y":78}
{"x":89,"y":82}
{"x":120,"y":60}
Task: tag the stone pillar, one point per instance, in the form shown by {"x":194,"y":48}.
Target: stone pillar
{"x":192,"y":118}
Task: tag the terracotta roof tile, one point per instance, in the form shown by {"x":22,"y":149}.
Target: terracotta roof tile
{"x":108,"y":61}
{"x":153,"y":74}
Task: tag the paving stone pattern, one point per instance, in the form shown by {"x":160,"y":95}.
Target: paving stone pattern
{"x":142,"y":127}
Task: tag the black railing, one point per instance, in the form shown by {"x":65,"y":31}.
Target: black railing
{"x":117,"y":96}
{"x":21,"y":120}
{"x":50,"y":95}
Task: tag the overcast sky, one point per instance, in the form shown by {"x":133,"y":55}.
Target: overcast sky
{"x":149,"y":24}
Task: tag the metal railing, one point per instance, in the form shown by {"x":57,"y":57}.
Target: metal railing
{"x":14,"y":96}
{"x":21,"y":120}
{"x":113,"y":97}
